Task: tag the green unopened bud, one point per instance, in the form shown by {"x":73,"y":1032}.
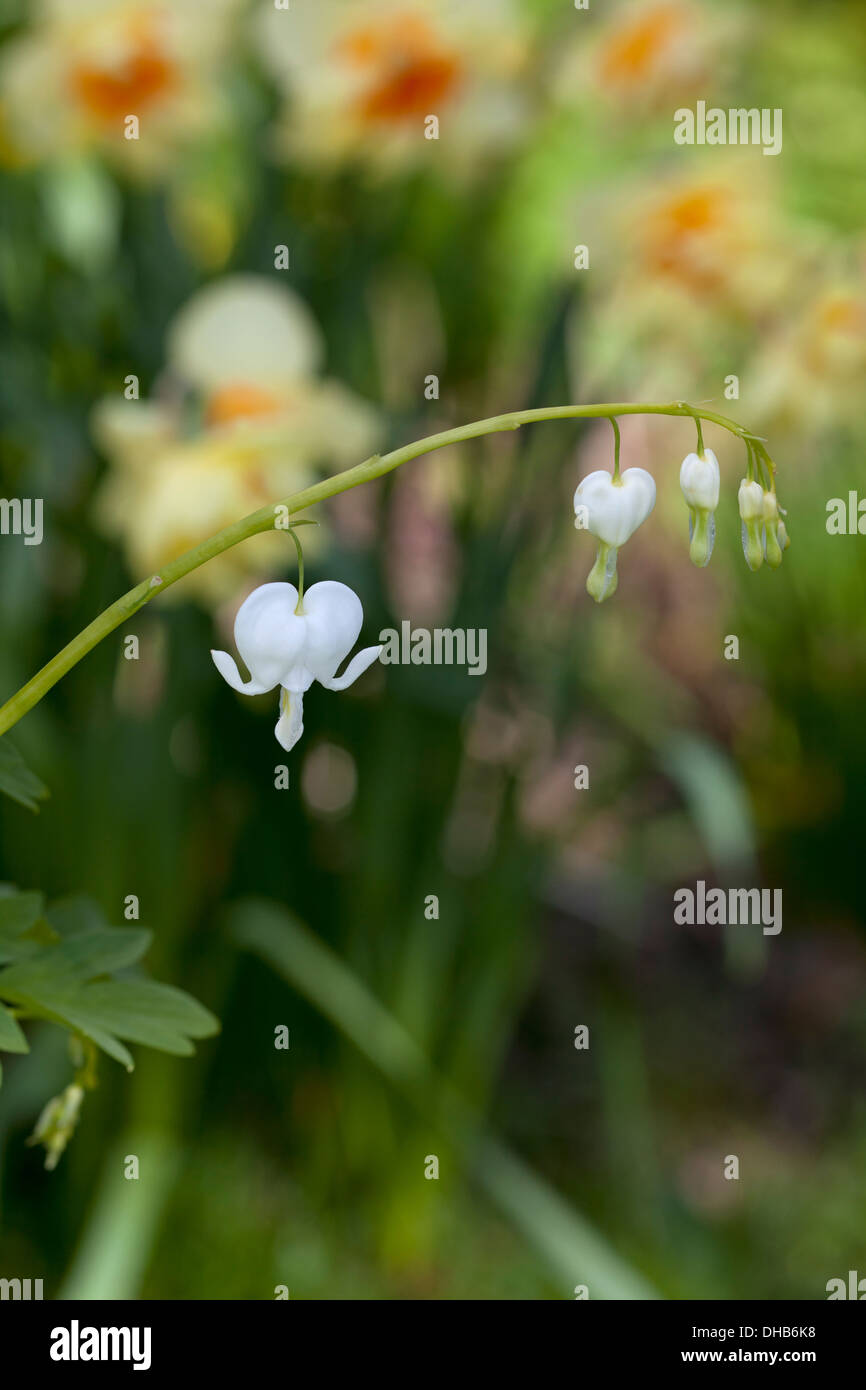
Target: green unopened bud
{"x":751,"y":503}
{"x":772,"y":521}
{"x":55,"y":1125}
{"x":603,"y":579}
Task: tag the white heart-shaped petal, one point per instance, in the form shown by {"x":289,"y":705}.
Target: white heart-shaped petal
{"x":700,"y":480}
{"x":613,"y":511}
{"x":269,"y":634}
{"x":332,"y":616}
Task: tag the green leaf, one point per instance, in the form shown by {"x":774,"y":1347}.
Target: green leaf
{"x":62,"y":978}
{"x":717,"y":798}
{"x":147,"y":1012}
{"x":11,"y":1037}
{"x":18,"y":911}
{"x":75,"y":959}
{"x":16,"y":779}
{"x":22,"y":929}
{"x":74,"y":913}
{"x":98,"y":951}
{"x":57,"y":1000}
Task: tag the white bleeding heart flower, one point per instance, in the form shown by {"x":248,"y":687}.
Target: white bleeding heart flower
{"x":700,"y":481}
{"x":614,"y":510}
{"x":290,"y":644}
{"x":750,"y":499}
{"x":611,"y":510}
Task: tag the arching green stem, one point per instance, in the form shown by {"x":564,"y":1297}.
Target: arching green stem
{"x":263,"y":519}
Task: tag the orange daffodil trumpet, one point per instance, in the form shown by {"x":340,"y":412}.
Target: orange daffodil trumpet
{"x":289,"y":640}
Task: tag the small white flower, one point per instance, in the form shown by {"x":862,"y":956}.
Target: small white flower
{"x":287,"y":644}
{"x":611,"y":511}
{"x":700,"y":481}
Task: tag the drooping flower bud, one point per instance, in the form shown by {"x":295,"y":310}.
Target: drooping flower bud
{"x":699,"y":480}
{"x":611,"y":510}
{"x":772,"y":521}
{"x":56,"y":1123}
{"x":751,"y":502}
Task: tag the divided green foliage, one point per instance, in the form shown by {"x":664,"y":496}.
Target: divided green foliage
{"x":61,"y":964}
{"x":16,"y":779}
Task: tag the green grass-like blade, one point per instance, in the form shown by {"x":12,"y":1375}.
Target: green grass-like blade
{"x":573,"y":1249}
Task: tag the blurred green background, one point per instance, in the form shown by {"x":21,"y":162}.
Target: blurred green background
{"x":412,"y":258}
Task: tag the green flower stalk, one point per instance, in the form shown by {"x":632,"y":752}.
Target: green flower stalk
{"x":273,"y":516}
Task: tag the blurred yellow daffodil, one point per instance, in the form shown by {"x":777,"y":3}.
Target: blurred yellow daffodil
{"x":644,"y":54}
{"x":73,"y":78}
{"x":362,"y":78}
{"x":242,"y":418}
